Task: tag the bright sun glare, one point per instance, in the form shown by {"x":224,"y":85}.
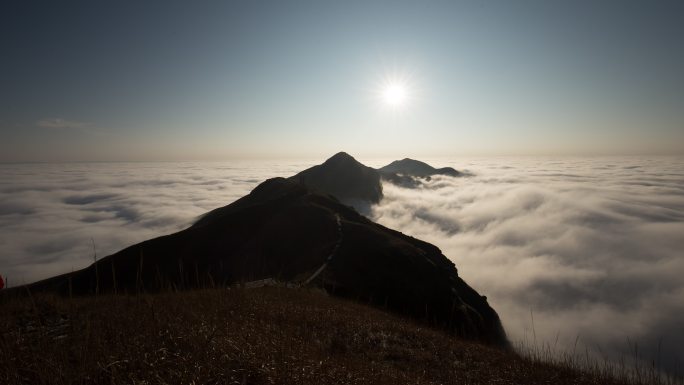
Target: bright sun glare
{"x":394,"y":91}
{"x":394,"y":94}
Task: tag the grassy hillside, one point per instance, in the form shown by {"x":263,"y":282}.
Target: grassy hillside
{"x":239,"y":336}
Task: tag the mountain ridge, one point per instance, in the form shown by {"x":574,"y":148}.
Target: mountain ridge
{"x":286,"y":230}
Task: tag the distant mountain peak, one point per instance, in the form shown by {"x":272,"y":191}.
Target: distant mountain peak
{"x":345,"y":178}
{"x":342,"y":158}
{"x":409,"y":161}
{"x":414,"y":168}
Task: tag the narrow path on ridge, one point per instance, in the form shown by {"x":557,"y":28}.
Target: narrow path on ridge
{"x":332,"y":253}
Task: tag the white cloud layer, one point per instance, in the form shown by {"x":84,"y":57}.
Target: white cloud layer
{"x":592,"y":247}
{"x":587,"y":247}
{"x":50,"y":212}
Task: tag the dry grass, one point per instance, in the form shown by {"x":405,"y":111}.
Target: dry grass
{"x":631,"y":368}
{"x":237,"y":336}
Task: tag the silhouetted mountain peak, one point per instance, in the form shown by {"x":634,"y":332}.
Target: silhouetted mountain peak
{"x":342,"y":158}
{"x":345,"y":178}
{"x":358,"y":185}
{"x":410,"y":163}
{"x":415,"y":168}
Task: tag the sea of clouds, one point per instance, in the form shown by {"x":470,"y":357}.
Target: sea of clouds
{"x":52,"y":214}
{"x":564,"y":248}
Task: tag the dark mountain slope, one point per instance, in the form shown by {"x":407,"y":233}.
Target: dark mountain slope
{"x":278,"y":231}
{"x":285,"y":231}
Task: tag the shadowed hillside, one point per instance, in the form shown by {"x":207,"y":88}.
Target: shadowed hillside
{"x":237,"y":336}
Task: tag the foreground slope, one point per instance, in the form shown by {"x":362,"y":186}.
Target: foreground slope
{"x":260,"y":336}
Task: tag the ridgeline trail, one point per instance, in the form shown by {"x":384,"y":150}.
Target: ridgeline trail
{"x":332,"y":253}
{"x":273,"y":282}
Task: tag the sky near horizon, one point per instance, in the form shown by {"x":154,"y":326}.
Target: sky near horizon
{"x":205,"y":80}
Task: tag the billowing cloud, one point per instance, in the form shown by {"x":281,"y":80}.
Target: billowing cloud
{"x":49,"y":213}
{"x":587,"y":248}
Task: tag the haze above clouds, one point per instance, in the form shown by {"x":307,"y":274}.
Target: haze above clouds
{"x":592,"y":247}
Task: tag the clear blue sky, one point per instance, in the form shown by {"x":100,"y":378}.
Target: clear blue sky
{"x":168,"y":80}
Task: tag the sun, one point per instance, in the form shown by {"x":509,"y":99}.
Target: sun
{"x":394,"y":94}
